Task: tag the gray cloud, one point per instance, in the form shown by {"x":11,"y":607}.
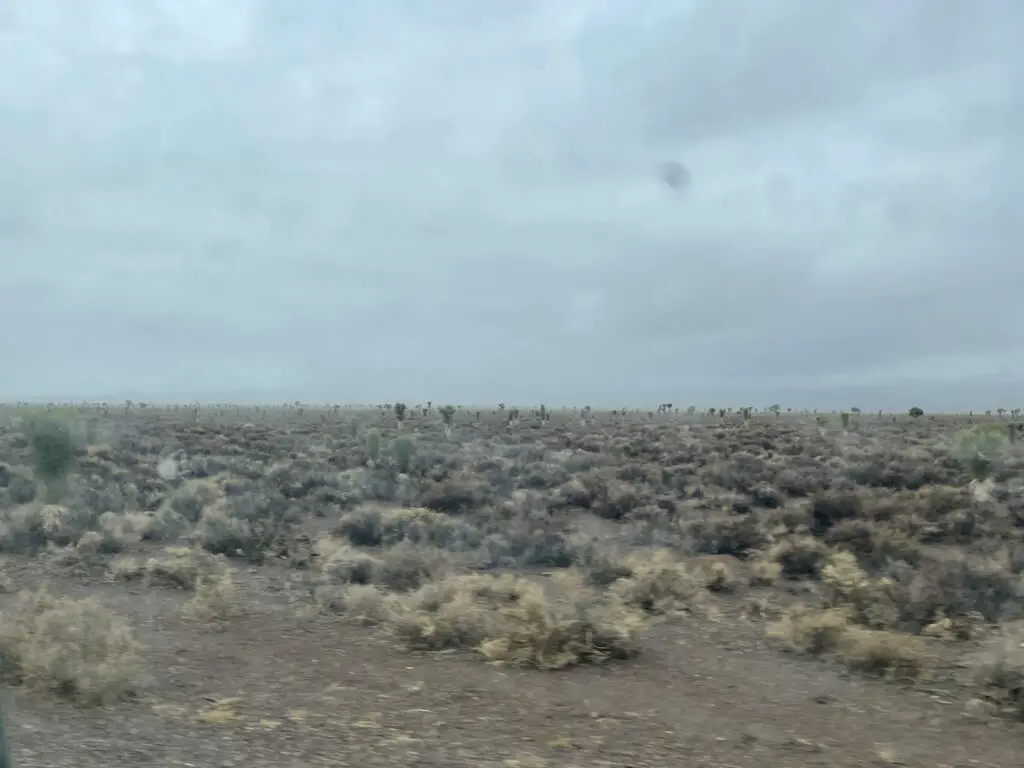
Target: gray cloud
{"x":256,"y":199}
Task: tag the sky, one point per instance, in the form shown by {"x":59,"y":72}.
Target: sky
{"x":460,"y":201}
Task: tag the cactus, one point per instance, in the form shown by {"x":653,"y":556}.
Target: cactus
{"x":844,"y":419}
{"x":372,"y":447}
{"x":447,"y":413}
{"x":400,"y":409}
{"x":401,"y":453}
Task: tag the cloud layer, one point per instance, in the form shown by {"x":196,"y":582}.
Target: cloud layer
{"x":361,"y":202}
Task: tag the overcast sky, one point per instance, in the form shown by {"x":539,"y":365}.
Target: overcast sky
{"x":460,"y":201}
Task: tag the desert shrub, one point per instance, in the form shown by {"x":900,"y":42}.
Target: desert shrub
{"x":31,"y":527}
{"x":1000,"y":669}
{"x":406,"y":566}
{"x":799,"y":555}
{"x":509,"y":618}
{"x":874,"y":545}
{"x":363,"y":603}
{"x":522,"y":544}
{"x":193,"y":496}
{"x":18,"y":486}
{"x":803,"y":630}
{"x":830,"y":508}
{"x":363,"y":526}
{"x":958,"y":587}
{"x":400,"y":568}
{"x":346,"y":565}
{"x":881,"y":652}
{"x":162,"y":525}
{"x":214,"y":597}
{"x":719,"y":577}
{"x":659,"y":584}
{"x":602,"y":564}
{"x":179,"y":568}
{"x":247,"y":524}
{"x":736,"y":536}
{"x":613,"y":500}
{"x":764,"y":572}
{"x":982,"y":449}
{"x":114,"y":531}
{"x":375,"y":525}
{"x":52,"y":446}
{"x":867,"y":601}
{"x":425,"y":526}
{"x":73,"y":647}
{"x":457,"y":496}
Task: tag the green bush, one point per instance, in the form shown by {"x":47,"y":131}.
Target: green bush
{"x":53,"y":447}
{"x":981,"y":449}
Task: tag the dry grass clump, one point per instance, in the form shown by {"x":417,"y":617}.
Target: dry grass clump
{"x":215,"y":597}
{"x":871,"y":651}
{"x":603,"y":564}
{"x":74,"y":647}
{"x":660,"y":584}
{"x":513,"y":619}
{"x":870,"y":602}
{"x":363,"y":603}
{"x":803,"y":630}
{"x":883,"y":653}
{"x":719,"y":577}
{"x":764,"y":573}
{"x":874,"y":545}
{"x":180,"y":568}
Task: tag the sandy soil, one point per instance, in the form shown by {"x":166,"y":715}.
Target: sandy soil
{"x":266,"y":688}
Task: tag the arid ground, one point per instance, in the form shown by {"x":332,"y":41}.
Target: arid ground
{"x":329,"y":587}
